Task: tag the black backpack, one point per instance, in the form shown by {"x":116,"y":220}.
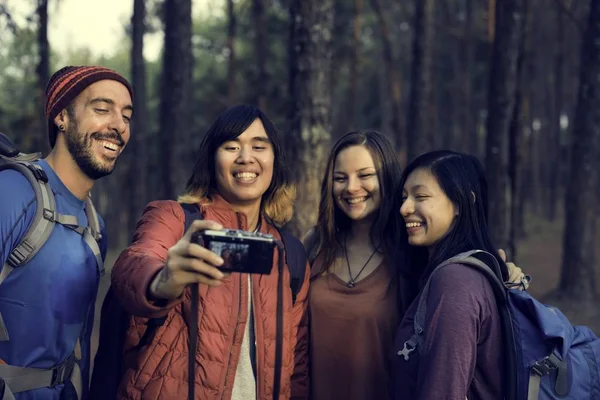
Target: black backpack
{"x":115,"y":320}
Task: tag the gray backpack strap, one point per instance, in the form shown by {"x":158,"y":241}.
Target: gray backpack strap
{"x":92,"y":233}
{"x":6,"y":393}
{"x":42,"y":224}
{"x":22,"y":379}
{"x":467,"y":258}
{"x":40,"y":228}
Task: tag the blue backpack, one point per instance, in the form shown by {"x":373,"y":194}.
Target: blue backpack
{"x":547,"y":358}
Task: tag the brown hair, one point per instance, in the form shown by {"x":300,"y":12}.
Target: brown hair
{"x":332,"y":221}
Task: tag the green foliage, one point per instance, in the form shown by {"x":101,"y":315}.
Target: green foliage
{"x":19,"y":108}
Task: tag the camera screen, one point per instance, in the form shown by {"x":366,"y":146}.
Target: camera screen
{"x":235,"y":255}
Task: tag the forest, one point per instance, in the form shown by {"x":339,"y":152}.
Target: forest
{"x":514,"y":82}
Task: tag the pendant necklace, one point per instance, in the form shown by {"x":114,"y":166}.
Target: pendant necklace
{"x":352,"y":282}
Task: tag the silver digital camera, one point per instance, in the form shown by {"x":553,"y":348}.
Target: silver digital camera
{"x":242,"y":251}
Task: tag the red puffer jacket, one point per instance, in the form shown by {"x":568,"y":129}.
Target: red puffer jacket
{"x":159,"y":369}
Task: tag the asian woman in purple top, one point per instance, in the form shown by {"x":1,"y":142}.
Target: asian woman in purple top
{"x":445,"y":210}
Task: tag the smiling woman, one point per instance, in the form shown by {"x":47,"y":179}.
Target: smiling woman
{"x":355,"y":282}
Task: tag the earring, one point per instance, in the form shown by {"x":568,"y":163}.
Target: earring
{"x":61,"y":127}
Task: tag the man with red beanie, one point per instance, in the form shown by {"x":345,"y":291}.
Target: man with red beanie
{"x":47,"y":303}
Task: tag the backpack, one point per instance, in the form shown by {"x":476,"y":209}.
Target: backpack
{"x":19,"y":379}
{"x":547,"y":358}
{"x":109,"y":362}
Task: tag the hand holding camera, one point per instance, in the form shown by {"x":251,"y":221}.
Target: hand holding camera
{"x":188,"y":263}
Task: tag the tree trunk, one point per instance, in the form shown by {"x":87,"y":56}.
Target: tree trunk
{"x":503,"y":78}
{"x":419,"y":115}
{"x":393,"y":77}
{"x":557,"y":170}
{"x":42,"y":70}
{"x":231,"y":77}
{"x":175,"y":110}
{"x":137,"y":177}
{"x":515,"y":168}
{"x":525,"y":151}
{"x":261,"y":51}
{"x":355,"y":64}
{"x":578,"y":264}
{"x":491,"y":20}
{"x":469,"y":114}
{"x":310,"y":109}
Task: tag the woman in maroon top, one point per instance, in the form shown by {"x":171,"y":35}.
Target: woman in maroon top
{"x":445,"y":209}
{"x":353,"y":300}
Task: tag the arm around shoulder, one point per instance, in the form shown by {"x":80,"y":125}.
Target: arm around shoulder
{"x":160,"y":227}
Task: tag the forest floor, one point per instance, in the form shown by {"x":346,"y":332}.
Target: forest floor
{"x":539,"y":254}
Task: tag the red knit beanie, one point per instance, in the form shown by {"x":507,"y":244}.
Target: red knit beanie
{"x":66,"y":84}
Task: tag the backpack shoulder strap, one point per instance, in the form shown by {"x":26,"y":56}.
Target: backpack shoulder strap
{"x":491,"y":270}
{"x":92,"y":233}
{"x":43,"y":222}
{"x":192,"y":213}
{"x":468,"y":259}
{"x":295,"y":258}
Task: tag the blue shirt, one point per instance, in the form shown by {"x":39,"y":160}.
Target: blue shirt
{"x":48,"y":303}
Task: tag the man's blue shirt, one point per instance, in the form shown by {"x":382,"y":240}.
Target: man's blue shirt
{"x":48,"y":303}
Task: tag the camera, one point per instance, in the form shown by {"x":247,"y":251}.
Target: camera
{"x":242,"y":251}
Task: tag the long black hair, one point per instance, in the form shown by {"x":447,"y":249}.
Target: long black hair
{"x":277,"y":201}
{"x":462,"y":178}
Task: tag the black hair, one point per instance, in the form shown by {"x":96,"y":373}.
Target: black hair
{"x":277,"y":201}
{"x":462,"y":178}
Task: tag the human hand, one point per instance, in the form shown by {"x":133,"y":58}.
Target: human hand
{"x":515,"y":274}
{"x":188,"y":263}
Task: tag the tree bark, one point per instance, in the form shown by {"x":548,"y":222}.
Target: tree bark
{"x":578,"y":264}
{"x":43,"y":68}
{"x":393,"y":77}
{"x":419,"y":116}
{"x":136,"y":183}
{"x":503,"y":78}
{"x":310,"y":96}
{"x":515,"y":168}
{"x":557,"y":170}
{"x":355,"y":63}
{"x":231,"y":77}
{"x":469,"y":114}
{"x":261,"y":51}
{"x":175,"y":110}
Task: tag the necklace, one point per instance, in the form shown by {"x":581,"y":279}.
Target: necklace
{"x":352,"y":282}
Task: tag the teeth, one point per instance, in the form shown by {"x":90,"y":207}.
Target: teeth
{"x":356,"y":200}
{"x":413,"y":224}
{"x":110,"y":145}
{"x":245,"y":175}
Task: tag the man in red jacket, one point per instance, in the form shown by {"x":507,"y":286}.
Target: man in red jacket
{"x":239,"y":181}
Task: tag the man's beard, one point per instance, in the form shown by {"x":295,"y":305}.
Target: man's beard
{"x":80,"y":146}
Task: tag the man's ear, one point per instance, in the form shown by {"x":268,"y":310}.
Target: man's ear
{"x":62,"y":120}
